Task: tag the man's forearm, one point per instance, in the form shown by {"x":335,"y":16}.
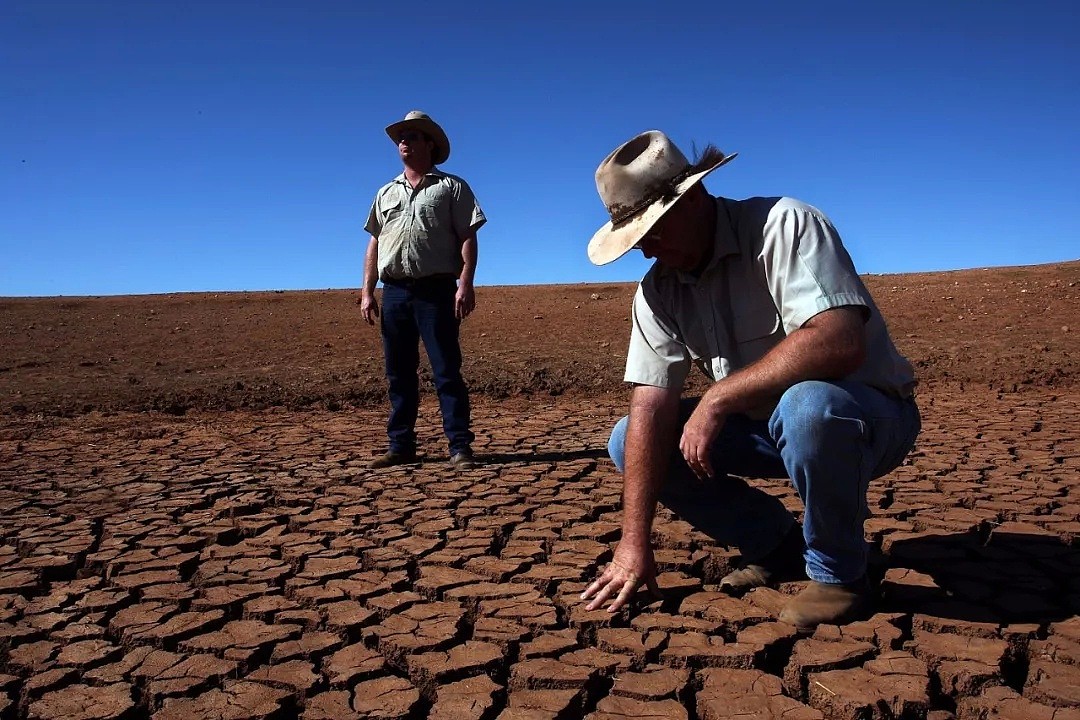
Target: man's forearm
{"x":650,"y":439}
{"x":828,"y":347}
{"x":469,"y":252}
{"x":371,"y":266}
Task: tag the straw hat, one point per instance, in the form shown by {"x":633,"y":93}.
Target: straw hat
{"x":639,"y":182}
{"x":416,"y":120}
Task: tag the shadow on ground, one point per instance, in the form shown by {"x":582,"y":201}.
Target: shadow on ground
{"x":527,"y":456}
{"x":1004,"y":578}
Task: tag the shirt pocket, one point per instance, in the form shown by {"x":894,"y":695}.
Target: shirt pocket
{"x":756,"y":332}
{"x":432,"y":208}
{"x":427,"y":213}
{"x":391,"y":209}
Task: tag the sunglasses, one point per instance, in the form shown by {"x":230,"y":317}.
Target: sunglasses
{"x":411,"y":136}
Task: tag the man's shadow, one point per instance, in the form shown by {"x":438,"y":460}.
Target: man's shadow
{"x":1003,"y":578}
{"x":528,"y":456}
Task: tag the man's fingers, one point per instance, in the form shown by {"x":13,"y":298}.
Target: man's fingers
{"x":689,"y":453}
{"x":370,"y":312}
{"x":692,"y":461}
{"x":608,"y":584}
{"x":697,"y":459}
{"x":701,"y":464}
{"x":603,"y":594}
{"x":596,"y":585}
{"x":628,"y":589}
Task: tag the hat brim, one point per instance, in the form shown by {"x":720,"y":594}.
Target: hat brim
{"x":427,"y":126}
{"x":611,"y":242}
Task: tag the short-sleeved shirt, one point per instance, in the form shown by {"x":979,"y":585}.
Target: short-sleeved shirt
{"x":420,"y":230}
{"x":777,"y":262}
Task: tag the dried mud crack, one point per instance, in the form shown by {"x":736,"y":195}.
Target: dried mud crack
{"x":249,"y":565}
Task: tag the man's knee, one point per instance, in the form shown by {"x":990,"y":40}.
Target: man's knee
{"x":814,"y":413}
{"x":617,"y":443}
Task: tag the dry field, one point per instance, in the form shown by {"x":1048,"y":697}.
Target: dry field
{"x":188,"y":527}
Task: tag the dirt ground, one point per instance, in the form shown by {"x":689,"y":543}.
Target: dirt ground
{"x":1004,"y":328}
{"x":188,"y":527}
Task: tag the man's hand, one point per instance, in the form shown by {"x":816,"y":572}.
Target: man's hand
{"x":698,"y":435}
{"x":369,"y":307}
{"x":628,"y":569}
{"x":464,"y":301}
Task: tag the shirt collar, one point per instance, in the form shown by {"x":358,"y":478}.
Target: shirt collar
{"x":433,"y":172}
{"x":725,"y":244}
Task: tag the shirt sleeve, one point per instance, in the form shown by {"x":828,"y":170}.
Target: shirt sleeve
{"x":656,"y":356}
{"x":807,"y":268}
{"x":467,"y":215}
{"x":373,"y":226}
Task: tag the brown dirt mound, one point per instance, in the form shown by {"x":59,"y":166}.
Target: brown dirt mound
{"x":1005,"y":327}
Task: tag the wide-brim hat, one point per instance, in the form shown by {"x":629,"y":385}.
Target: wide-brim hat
{"x":416,"y":120}
{"x":640,"y":181}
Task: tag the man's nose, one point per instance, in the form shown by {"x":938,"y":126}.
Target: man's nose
{"x":646,"y":243}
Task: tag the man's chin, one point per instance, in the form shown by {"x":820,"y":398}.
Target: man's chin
{"x":680,"y":264}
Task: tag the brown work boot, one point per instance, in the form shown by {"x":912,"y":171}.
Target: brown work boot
{"x":782,"y":564}
{"x":392,"y":458}
{"x":822,"y":603}
{"x":463,"y":460}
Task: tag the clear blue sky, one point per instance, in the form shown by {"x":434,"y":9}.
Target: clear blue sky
{"x":159,"y":146}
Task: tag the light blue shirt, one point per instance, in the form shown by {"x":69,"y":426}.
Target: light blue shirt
{"x":777,"y":263}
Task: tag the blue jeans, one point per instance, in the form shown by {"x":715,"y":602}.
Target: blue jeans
{"x":829,"y":438}
{"x":423,"y":309}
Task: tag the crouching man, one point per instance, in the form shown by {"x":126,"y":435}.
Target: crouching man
{"x":761,"y":295}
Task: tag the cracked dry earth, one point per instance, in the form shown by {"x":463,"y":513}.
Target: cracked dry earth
{"x":249,"y":565}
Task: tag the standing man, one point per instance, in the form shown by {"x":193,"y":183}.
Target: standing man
{"x":423,"y":227}
{"x":760,"y":295}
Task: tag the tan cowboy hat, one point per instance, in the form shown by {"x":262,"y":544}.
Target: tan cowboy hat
{"x":639,"y":182}
{"x":416,"y":120}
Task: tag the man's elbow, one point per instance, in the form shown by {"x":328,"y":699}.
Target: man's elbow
{"x":844,"y":333}
{"x":850,"y":356}
{"x":654,"y":401}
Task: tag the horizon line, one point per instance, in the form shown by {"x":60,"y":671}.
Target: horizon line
{"x":501,"y":285}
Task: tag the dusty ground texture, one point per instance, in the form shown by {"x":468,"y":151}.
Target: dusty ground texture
{"x":1006,"y":327}
{"x":247,"y":564}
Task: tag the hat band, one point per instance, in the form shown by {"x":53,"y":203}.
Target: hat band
{"x":710,"y":159}
{"x":662,"y":190}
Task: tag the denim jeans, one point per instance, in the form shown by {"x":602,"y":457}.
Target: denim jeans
{"x":829,"y":438}
{"x":411,"y":311}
